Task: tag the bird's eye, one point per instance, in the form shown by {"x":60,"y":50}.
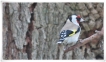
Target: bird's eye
{"x":78,"y":19}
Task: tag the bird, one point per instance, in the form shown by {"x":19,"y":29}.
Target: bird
{"x":70,"y":32}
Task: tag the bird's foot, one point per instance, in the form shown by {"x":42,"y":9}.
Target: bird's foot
{"x":79,"y":41}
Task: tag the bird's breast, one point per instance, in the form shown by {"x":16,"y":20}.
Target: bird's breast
{"x":72,"y":39}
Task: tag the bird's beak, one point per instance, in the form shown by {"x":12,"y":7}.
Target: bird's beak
{"x":81,"y":20}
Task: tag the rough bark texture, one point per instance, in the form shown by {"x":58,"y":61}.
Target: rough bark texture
{"x":31,"y":30}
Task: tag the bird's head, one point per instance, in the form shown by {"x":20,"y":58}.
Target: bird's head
{"x":76,"y":19}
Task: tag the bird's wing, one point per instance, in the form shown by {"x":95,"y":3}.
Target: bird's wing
{"x":68,"y":33}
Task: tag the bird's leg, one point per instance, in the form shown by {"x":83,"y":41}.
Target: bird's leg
{"x":79,"y":41}
{"x":66,"y":47}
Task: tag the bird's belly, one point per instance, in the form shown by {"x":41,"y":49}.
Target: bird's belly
{"x":72,"y":39}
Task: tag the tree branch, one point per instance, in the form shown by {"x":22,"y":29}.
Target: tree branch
{"x":97,"y":35}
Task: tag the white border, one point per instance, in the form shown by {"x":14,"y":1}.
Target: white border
{"x":52,"y":0}
{"x":55,"y":60}
{"x":1,"y":59}
{"x":1,"y":50}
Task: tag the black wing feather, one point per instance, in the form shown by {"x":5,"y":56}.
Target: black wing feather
{"x":64,"y":34}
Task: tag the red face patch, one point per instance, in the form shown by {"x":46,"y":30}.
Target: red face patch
{"x":78,"y":16}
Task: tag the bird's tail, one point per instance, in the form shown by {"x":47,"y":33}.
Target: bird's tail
{"x":59,"y":42}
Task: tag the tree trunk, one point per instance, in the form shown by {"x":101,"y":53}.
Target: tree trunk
{"x":31,"y":30}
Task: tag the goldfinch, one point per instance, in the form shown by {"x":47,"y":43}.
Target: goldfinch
{"x":70,"y":32}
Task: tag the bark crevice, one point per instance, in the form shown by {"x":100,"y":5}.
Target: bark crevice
{"x":28,"y":38}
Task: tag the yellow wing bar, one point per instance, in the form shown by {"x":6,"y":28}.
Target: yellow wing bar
{"x":74,"y":31}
